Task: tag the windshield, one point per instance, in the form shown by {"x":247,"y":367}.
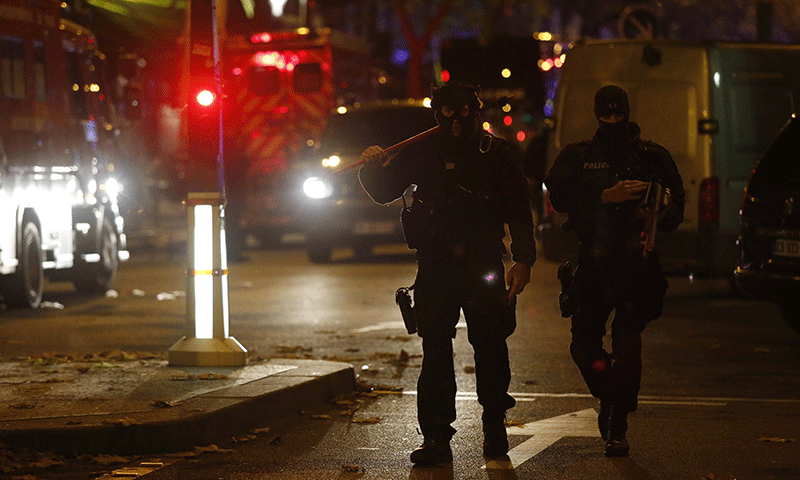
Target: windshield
{"x":780,"y":166}
{"x":357,"y":130}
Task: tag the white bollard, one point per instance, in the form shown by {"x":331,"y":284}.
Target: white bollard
{"x":207,"y":342}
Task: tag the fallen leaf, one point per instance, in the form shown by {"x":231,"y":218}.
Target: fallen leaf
{"x":776,"y":440}
{"x":104,"y":459}
{"x":125,"y":422}
{"x":261,"y":430}
{"x":182,"y":454}
{"x":353,"y":468}
{"x":212,"y":449}
{"x":45,"y":460}
{"x":166,"y":404}
{"x":321,"y":417}
{"x":370,"y":420}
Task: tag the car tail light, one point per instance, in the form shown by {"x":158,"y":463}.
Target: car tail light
{"x":708,"y":202}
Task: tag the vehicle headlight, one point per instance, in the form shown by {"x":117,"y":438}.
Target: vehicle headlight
{"x":316,"y":187}
{"x":332,"y":161}
{"x":112,"y":188}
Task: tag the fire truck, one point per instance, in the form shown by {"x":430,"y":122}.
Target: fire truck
{"x":59,"y":218}
{"x":281,"y":86}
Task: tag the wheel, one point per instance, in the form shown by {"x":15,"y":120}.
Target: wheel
{"x":24,"y":287}
{"x":790,"y":311}
{"x":362,"y":251}
{"x":98,"y":277}
{"x":319,"y":252}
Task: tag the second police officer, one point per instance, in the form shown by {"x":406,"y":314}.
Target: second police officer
{"x":600,"y":184}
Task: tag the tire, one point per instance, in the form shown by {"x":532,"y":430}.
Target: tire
{"x":99,"y":277}
{"x":362,"y":251}
{"x":790,"y":311}
{"x":319,"y":253}
{"x":24,"y":288}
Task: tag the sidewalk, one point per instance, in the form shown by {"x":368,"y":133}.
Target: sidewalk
{"x":143,"y":405}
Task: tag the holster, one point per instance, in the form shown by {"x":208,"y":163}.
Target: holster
{"x":566,"y":274}
{"x":415,"y":220}
{"x":403,"y":299}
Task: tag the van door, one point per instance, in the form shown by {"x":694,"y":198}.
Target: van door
{"x":752,"y":98}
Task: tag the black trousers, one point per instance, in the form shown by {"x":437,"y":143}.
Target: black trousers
{"x":446,"y":284}
{"x":633,"y":288}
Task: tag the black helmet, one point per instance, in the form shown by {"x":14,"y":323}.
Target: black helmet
{"x":611,"y":100}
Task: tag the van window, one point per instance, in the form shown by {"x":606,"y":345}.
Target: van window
{"x":656,"y":101}
{"x":264,"y":80}
{"x":307,"y":78}
{"x":759,"y":112}
{"x":13,"y":67}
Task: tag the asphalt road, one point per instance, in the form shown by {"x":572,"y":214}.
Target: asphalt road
{"x":720,"y":393}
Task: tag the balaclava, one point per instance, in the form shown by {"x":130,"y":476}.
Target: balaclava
{"x":456,"y":96}
{"x":609,"y":100}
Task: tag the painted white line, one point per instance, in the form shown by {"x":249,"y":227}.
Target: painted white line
{"x":544,"y":433}
{"x":395,"y":325}
{"x":644,"y":399}
{"x":696,"y":404}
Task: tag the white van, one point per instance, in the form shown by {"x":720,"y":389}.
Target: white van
{"x":715,"y":106}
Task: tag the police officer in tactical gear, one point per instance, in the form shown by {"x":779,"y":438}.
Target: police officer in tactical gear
{"x":467,"y":188}
{"x":600,"y":184}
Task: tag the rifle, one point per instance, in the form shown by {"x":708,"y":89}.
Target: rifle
{"x":654,"y":200}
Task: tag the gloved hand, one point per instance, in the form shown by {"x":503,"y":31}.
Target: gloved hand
{"x":373,"y":156}
{"x":517,"y":277}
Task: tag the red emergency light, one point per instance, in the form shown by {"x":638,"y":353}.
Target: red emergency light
{"x":261,"y":38}
{"x":205,"y":97}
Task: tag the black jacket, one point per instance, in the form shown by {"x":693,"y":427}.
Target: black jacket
{"x":470,"y":194}
{"x":583,"y":170}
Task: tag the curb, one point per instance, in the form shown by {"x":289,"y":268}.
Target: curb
{"x":201,"y":420}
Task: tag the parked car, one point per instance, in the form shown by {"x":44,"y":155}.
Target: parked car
{"x":336,"y":211}
{"x":769,"y":244}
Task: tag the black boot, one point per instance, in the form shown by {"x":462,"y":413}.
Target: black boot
{"x":603,"y":417}
{"x":432,"y":452}
{"x":495,"y":441}
{"x":616,"y":444}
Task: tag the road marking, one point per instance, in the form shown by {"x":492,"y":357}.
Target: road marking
{"x":643,"y":399}
{"x":544,"y":433}
{"x":394,"y":325}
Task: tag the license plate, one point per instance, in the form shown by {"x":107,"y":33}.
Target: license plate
{"x":374,"y":228}
{"x":787,"y":248}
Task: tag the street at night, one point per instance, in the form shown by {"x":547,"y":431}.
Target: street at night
{"x":720,"y":396}
{"x":226,"y":227}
